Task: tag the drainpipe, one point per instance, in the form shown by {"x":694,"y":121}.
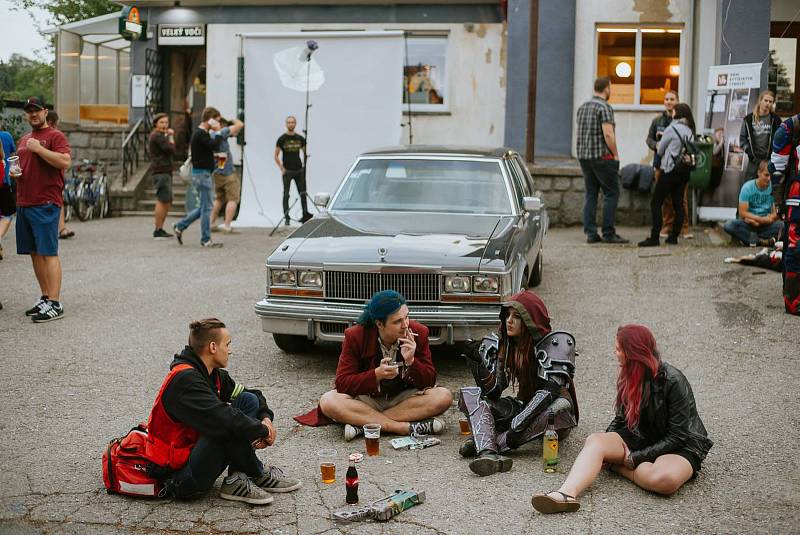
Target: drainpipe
{"x":533,"y":52}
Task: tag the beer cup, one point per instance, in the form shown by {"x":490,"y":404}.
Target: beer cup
{"x":327,"y":465}
{"x":372,"y":436}
{"x":221,"y":158}
{"x":463,"y":425}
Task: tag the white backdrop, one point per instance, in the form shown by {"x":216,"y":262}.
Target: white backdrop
{"x":357,"y":107}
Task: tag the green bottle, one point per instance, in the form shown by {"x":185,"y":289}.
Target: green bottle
{"x":550,"y":445}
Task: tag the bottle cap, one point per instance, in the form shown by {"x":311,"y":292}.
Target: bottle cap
{"x":356,"y":457}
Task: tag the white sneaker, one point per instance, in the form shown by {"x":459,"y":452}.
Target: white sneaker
{"x":351,"y":432}
{"x":240,"y":488}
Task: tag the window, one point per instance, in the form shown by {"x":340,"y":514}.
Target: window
{"x":425,"y":75}
{"x":642,"y":62}
{"x":784,"y":49}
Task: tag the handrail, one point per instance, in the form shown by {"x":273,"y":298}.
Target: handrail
{"x":131,"y":148}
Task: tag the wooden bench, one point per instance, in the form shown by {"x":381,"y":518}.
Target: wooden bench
{"x":105,"y":113}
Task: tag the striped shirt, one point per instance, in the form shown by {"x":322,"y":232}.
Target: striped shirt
{"x":591,"y":116}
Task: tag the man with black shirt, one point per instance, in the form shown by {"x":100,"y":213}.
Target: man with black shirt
{"x":203,"y":421}
{"x":203,"y":148}
{"x":290,"y":144}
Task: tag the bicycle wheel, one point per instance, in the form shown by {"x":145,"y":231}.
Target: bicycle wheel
{"x":85,"y":204}
{"x":102,"y":197}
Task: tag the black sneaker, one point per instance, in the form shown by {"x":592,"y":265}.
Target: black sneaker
{"x":593,"y":239}
{"x":649,"y":242}
{"x":428,"y":426}
{"x":178,"y":234}
{"x":615,"y":238}
{"x":48,"y":312}
{"x":672,"y":240}
{"x":306,"y":217}
{"x":35,"y":308}
{"x":287,"y":221}
{"x":161,"y":234}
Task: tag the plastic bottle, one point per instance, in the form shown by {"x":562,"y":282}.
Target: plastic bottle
{"x":351,"y":484}
{"x":550,"y":445}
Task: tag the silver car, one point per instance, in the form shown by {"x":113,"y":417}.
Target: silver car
{"x":456,"y":230}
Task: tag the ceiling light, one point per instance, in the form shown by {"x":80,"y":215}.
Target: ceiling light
{"x":623,"y":69}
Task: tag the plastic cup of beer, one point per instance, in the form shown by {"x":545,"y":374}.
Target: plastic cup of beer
{"x":327,"y":465}
{"x":372,"y":439}
{"x":221,"y":158}
{"x":13,"y":167}
{"x":463,"y":425}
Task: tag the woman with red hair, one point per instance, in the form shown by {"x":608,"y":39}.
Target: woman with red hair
{"x":656,"y":439}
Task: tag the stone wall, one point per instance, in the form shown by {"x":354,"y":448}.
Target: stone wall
{"x":98,"y":143}
{"x":562,"y":187}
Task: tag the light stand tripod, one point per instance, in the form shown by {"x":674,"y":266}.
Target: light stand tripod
{"x":311,"y":46}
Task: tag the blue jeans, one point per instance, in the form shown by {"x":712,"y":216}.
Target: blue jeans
{"x":209,"y":458}
{"x":201,"y":180}
{"x":600,"y":174}
{"x":748,"y":234}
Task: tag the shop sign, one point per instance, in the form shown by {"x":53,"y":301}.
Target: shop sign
{"x":131,"y":26}
{"x":182,"y":34}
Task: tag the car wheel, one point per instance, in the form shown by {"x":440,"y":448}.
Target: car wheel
{"x":292,"y":343}
{"x":536,"y":275}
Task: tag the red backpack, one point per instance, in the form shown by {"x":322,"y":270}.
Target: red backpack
{"x":125,"y":467}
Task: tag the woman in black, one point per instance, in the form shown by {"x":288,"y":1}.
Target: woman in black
{"x":758,"y":129}
{"x":656,"y":439}
{"x":161,"y":145}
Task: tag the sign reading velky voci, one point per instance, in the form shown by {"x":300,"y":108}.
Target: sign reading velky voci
{"x":181,"y":34}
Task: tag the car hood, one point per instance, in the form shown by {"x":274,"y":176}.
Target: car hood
{"x":448,"y":241}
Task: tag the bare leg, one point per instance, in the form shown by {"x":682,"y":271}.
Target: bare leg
{"x":230,"y":211}
{"x":5,"y":224}
{"x":344,"y":409}
{"x":215,"y":212}
{"x":665,"y":476}
{"x":599,"y":448}
{"x":40,"y":270}
{"x":432,"y":402}
{"x":160,"y":215}
{"x":61,"y":223}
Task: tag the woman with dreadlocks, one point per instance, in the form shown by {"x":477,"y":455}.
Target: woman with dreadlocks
{"x":536,"y":362}
{"x":656,"y":439}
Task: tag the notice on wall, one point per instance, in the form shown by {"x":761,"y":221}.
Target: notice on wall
{"x":181,"y":34}
{"x":732,"y":93}
{"x":138,"y":90}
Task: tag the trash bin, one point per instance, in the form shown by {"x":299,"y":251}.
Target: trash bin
{"x":700,"y":178}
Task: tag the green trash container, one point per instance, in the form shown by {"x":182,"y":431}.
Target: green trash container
{"x":700,"y":178}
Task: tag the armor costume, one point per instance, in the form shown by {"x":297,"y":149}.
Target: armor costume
{"x":785,"y":169}
{"x":500,"y":424}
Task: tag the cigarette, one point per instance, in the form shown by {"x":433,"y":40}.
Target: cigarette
{"x":412,"y":333}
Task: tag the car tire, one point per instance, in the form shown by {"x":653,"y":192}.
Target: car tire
{"x":292,"y":343}
{"x":536,"y":275}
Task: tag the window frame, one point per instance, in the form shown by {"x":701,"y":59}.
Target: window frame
{"x":429,"y":108}
{"x":793,"y":32}
{"x":637,"y":68}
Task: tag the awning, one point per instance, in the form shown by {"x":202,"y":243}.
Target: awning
{"x":102,"y":30}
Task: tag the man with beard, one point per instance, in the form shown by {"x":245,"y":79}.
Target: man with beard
{"x":292,"y":167}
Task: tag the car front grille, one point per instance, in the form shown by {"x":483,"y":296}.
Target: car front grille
{"x":357,"y":286}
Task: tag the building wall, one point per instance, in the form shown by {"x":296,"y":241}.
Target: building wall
{"x":632,"y":125}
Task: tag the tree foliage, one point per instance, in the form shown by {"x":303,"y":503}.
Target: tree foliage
{"x":64,"y":11}
{"x":21,"y":77}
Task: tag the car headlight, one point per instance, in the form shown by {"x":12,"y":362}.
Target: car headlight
{"x":309,"y":279}
{"x":283,"y":277}
{"x":485,"y":284}
{"x":456,"y":284}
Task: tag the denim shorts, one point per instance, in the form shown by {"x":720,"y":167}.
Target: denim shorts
{"x":37,"y":229}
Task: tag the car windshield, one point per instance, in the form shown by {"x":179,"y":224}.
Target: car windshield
{"x":418,"y":185}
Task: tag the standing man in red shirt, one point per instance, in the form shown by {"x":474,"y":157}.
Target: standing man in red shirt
{"x":44,"y":154}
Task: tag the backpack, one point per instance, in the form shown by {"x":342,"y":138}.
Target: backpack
{"x":686,"y":161}
{"x":126,"y":470}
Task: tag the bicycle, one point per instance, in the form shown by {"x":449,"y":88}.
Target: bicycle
{"x":92,"y":192}
{"x":70,"y":194}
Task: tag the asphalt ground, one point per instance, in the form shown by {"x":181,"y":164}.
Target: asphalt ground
{"x":71,"y":385}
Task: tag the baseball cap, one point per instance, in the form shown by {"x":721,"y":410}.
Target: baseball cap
{"x":34,"y":102}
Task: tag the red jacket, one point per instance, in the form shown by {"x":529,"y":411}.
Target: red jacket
{"x":355,"y":374}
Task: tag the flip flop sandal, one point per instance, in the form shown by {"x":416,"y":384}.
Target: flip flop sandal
{"x":547,"y":505}
{"x":63,"y":235}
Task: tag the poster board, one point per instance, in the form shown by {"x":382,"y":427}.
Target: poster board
{"x":356,"y":86}
{"x":732,"y":94}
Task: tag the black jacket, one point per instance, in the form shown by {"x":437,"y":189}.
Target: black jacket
{"x":668,"y":419}
{"x":203,"y":147}
{"x":161,"y":152}
{"x":746,"y":137}
{"x":662,"y":121}
{"x":191,"y":398}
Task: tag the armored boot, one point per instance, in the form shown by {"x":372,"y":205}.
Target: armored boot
{"x":503,"y":411}
{"x":481,"y":421}
{"x":530,"y":424}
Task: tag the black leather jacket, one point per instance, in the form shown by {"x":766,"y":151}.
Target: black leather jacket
{"x":669,"y":419}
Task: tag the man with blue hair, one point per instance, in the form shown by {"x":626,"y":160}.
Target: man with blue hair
{"x":385,"y":374}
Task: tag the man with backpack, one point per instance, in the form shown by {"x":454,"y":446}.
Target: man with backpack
{"x":203,"y":421}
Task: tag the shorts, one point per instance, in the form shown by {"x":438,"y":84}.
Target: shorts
{"x":227,"y":188}
{"x":8,"y":201}
{"x":635,"y":442}
{"x":37,"y":229}
{"x":383,"y":403}
{"x":163,"y":185}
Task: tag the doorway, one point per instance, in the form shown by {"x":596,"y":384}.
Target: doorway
{"x":185,"y":92}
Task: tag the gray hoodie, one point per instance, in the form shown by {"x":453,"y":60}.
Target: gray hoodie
{"x":669,"y":147}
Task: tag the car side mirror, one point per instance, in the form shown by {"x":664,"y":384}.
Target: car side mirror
{"x":322,"y":199}
{"x":532,"y":204}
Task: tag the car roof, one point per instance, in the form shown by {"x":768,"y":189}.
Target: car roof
{"x":448,"y":150}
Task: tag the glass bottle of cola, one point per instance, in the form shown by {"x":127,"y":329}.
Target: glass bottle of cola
{"x":351,"y":484}
{"x":550,"y":445}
